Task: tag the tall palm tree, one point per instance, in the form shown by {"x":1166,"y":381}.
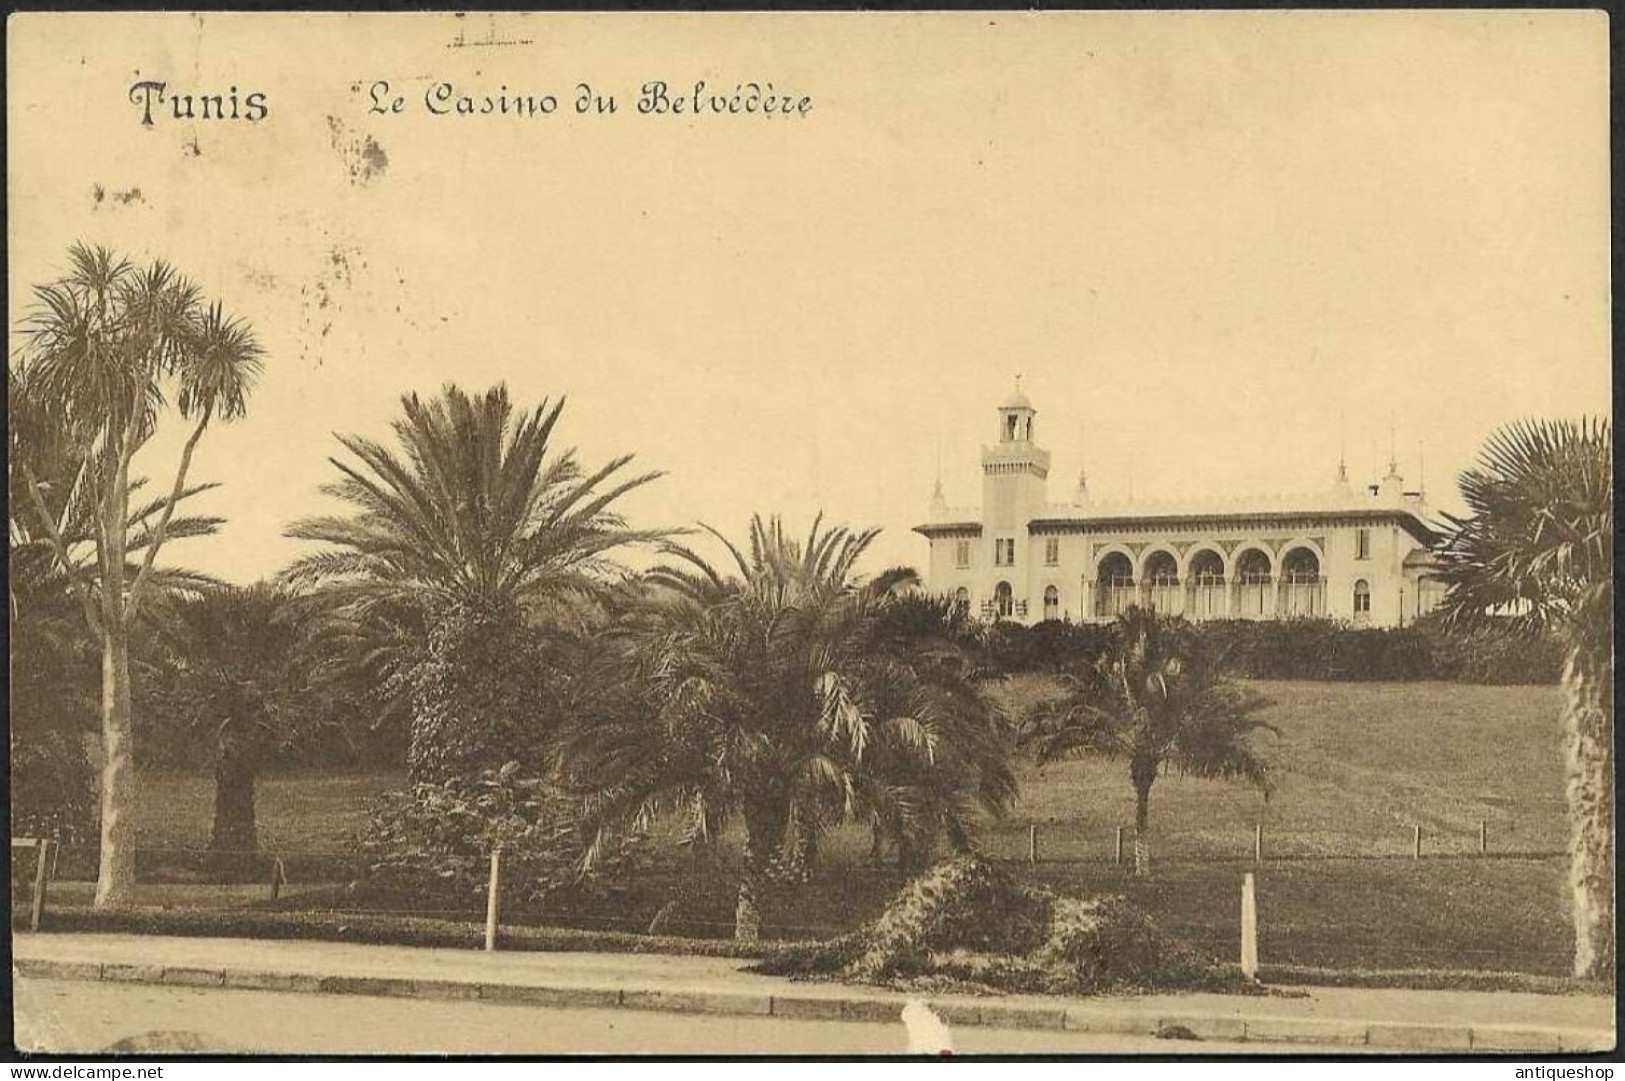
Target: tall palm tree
{"x":1155,"y":698}
{"x":771,"y":695}
{"x":1535,"y":556}
{"x":108,"y":348}
{"x":487,"y":531}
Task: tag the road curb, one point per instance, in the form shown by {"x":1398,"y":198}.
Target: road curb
{"x":1379,"y":1036}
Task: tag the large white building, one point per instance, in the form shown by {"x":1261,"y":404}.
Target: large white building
{"x":1360,"y":555}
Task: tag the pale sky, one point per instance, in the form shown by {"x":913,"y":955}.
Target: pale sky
{"x":1217,"y":246}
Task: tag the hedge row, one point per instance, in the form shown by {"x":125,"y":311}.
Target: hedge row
{"x":1306,"y":649}
{"x":384,"y":929}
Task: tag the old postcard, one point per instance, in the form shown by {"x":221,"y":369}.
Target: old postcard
{"x":817,"y":533}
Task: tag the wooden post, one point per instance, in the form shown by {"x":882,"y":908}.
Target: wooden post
{"x":1249,"y":927}
{"x":279,"y":877}
{"x":492,"y":891}
{"x":1117,"y":852}
{"x":1258,"y":843}
{"x":1483,"y":837}
{"x":41,"y":866}
{"x":1416,"y":842}
{"x":1032,"y":843}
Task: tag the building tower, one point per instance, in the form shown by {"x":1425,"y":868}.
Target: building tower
{"x":1014,"y":475}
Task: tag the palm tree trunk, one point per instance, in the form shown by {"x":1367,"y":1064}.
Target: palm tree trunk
{"x":1144,"y":774}
{"x":747,"y":913}
{"x":234,"y":824}
{"x":1142,"y":843}
{"x":764,"y":833}
{"x":115,"y":879}
{"x":1588,"y":730}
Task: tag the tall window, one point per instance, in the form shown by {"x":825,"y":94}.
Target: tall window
{"x":1052,"y":603}
{"x":1003,"y":600}
{"x":1362,"y":600}
{"x":962,"y":553}
{"x":1362,"y":544}
{"x":1004,"y":552}
{"x":962,"y":598}
{"x":1052,"y":551}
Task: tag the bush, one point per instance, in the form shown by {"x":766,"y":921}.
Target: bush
{"x":967,"y":925}
{"x":1319,"y":649}
{"x":375,"y":929}
{"x":1051,"y":646}
{"x":53,"y":788}
{"x":432,"y":843}
{"x":1485,"y":656}
{"x":1305,"y":649}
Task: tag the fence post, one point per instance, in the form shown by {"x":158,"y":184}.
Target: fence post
{"x":41,"y":867}
{"x":1032,"y":843}
{"x":1117,"y":852}
{"x":279,"y":877}
{"x":492,"y":891}
{"x":1249,"y":927}
{"x":1416,"y":842}
{"x":1258,"y":843}
{"x":1483,"y":837}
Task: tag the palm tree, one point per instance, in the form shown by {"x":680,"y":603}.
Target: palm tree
{"x":1535,"y":556}
{"x":475,"y":526}
{"x":239,"y":668}
{"x":108,"y":347}
{"x":1156,"y":698}
{"x":776,"y":695}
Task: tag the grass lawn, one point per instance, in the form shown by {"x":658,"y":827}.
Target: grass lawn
{"x":1359,"y":764}
{"x":317,"y":812}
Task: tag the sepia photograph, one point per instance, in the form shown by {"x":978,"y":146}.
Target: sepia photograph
{"x":999,"y":533}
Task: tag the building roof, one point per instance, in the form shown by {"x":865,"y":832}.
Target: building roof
{"x":1017,"y":400}
{"x":1421,"y":557}
{"x":1241,"y":514}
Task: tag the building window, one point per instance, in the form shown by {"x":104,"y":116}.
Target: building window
{"x":1207,"y":569}
{"x":1161,"y":570}
{"x":1255,"y":598}
{"x":1003,"y":600}
{"x":1301,"y":567}
{"x":1052,"y":603}
{"x":1362,"y":600}
{"x":1004,"y":552}
{"x":1362,"y":544}
{"x":962,"y":597}
{"x":1253,"y":568}
{"x":1052,"y":551}
{"x":962,"y":553}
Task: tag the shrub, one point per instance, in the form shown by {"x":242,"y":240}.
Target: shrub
{"x":1484,"y":655}
{"x":1305,"y":649}
{"x":53,"y":788}
{"x":1319,"y":649}
{"x":1051,"y":646}
{"x":433,"y":842}
{"x":968,"y":925}
{"x":375,"y":929}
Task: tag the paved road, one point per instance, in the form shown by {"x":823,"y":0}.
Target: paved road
{"x":62,"y":1015}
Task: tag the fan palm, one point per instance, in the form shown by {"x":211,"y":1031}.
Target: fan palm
{"x":1155,"y":699}
{"x":236,"y":668}
{"x":108,"y":347}
{"x":1535,"y":556}
{"x":482,"y":527}
{"x":778,"y":695}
